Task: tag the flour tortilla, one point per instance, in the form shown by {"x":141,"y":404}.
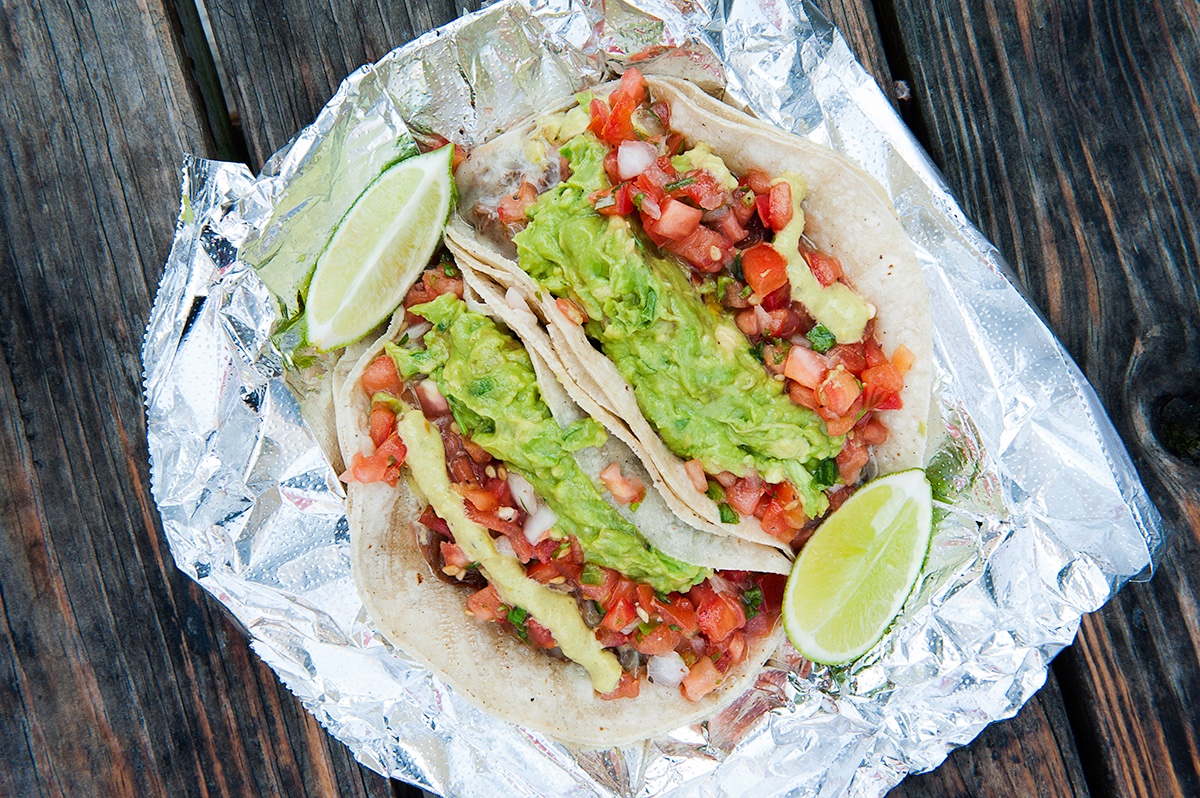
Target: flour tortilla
{"x":425,"y":619}
{"x":847,"y":215}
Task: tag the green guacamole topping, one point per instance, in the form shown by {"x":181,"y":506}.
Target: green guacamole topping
{"x":489,"y":382}
{"x":693,"y":373}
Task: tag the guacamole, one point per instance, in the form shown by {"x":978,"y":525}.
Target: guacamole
{"x":488,"y":380}
{"x":693,"y":373}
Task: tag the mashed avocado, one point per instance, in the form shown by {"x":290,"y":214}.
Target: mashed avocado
{"x":487,"y":377}
{"x":843,"y":312}
{"x":693,"y":374}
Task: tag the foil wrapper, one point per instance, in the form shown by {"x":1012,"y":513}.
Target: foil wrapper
{"x":1040,"y":515}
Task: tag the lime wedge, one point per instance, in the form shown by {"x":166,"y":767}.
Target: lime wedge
{"x":378,"y":249}
{"x":855,"y":573}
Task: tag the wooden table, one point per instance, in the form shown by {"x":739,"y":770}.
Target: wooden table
{"x":1067,"y":129}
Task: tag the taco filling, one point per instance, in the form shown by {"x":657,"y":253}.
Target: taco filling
{"x":537,"y":546}
{"x":748,"y":351}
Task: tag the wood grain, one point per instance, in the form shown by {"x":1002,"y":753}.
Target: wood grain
{"x":285,"y":58}
{"x":1068,"y":130}
{"x":117,"y":677}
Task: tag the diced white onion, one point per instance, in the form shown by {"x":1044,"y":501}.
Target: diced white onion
{"x":432,"y":401}
{"x":722,"y":585}
{"x":538,"y":524}
{"x":667,"y":669}
{"x":523,"y":492}
{"x":504,"y":547}
{"x":513,"y":297}
{"x":633,"y":157}
{"x":764,"y":318}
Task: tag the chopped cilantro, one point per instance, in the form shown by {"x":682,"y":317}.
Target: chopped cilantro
{"x":752,"y":600}
{"x":633,"y":508}
{"x":715,"y":492}
{"x":646,"y":627}
{"x":637,"y":199}
{"x":747,"y":291}
{"x":736,"y":268}
{"x":450,"y":269}
{"x":728,"y":514}
{"x":826,"y":473}
{"x":757,"y":350}
{"x":517,"y":616}
{"x":682,"y":182}
{"x":591,"y":575}
{"x":723,"y":284}
{"x":822,"y":339}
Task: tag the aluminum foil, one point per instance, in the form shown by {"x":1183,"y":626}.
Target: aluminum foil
{"x":1040,"y":515}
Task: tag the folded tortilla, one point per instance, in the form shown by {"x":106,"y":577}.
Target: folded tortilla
{"x":424,"y":618}
{"x":847,"y":215}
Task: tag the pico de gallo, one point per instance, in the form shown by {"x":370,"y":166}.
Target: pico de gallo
{"x":737,"y":242}
{"x":670,"y":622}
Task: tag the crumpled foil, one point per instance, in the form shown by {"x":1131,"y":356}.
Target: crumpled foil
{"x":1040,"y":514}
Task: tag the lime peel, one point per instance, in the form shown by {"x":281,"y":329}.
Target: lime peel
{"x":856,"y":572}
{"x":379,"y":248}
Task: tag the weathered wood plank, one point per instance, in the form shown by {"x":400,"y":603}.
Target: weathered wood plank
{"x":1069,"y":132}
{"x":117,"y":676}
{"x":285,"y":59}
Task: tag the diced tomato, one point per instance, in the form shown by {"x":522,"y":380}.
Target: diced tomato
{"x":758,"y":181}
{"x":429,"y":518}
{"x":392,"y":451}
{"x":705,"y":249}
{"x":621,"y":204}
{"x":601,"y":592}
{"x":539,"y":636}
{"x":619,"y":615}
{"x":662,"y":110}
{"x":600,"y":114}
{"x":364,"y":469}
{"x":840,"y":425}
{"x":742,"y":205}
{"x":765,"y":269}
{"x":695,"y":472}
{"x":805,"y":397}
{"x":762,"y":203}
{"x":483,"y":499}
{"x":573,"y":312}
{"x":775,"y":524}
{"x":383,"y":423}
{"x":701,"y":680}
{"x":494,"y":522}
{"x":628,"y":687}
{"x":874,"y":353}
{"x":789,"y":501}
{"x":645,"y":597}
{"x":884,"y":377}
{"x":486,"y":605}
{"x":774,"y":356}
{"x":678,"y":611}
{"x":718,"y":614}
{"x":610,"y":639}
{"x":678,"y":220}
{"x":661,"y":640}
{"x":381,"y":375}
{"x":513,"y":207}
{"x":849,"y":356}
{"x":892,"y":402}
{"x":674,"y":143}
{"x":805,"y":367}
{"x":826,"y":268}
{"x":872,"y":433}
{"x":903,"y":359}
{"x":617,"y":126}
{"x":454,"y":556}
{"x":610,"y":167}
{"x":743,"y":495}
{"x":784,"y":323}
{"x":851,"y":460}
{"x":780,"y":205}
{"x":747,"y":322}
{"x":627,"y":490}
{"x":731,"y":228}
{"x":839,"y":390}
{"x":779,"y":299}
{"x":703,"y":190}
{"x":543,"y":572}
{"x":440,"y":283}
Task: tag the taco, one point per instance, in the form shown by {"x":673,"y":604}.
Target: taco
{"x":500,"y":537}
{"x":744,"y":302}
